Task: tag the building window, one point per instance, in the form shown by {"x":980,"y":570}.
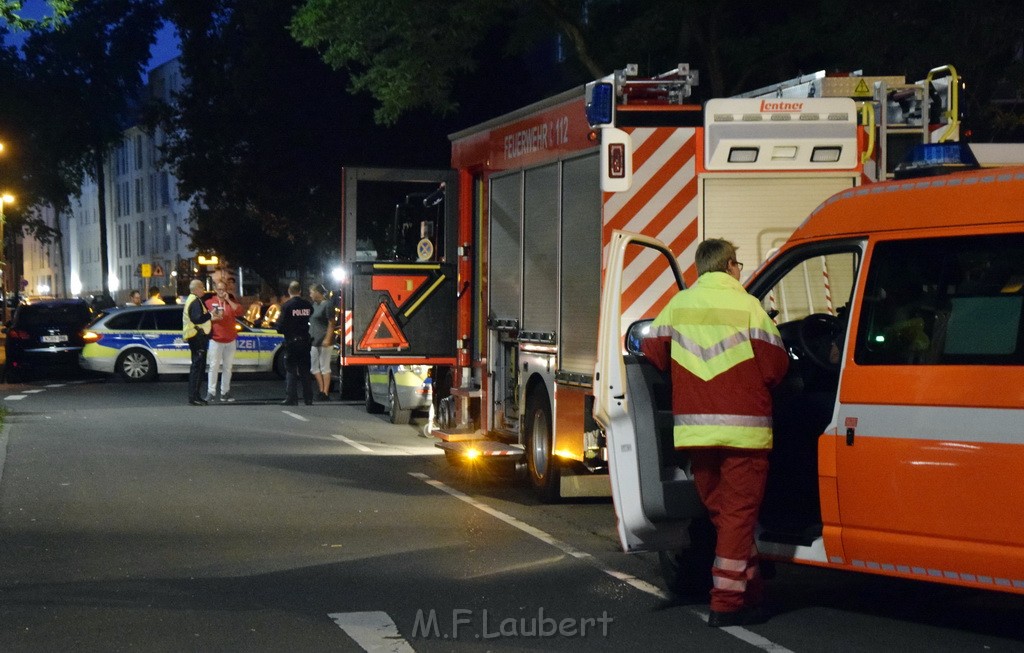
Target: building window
{"x":165,"y":189}
{"x":139,"y":206}
{"x":142,"y":238}
{"x":138,"y":151}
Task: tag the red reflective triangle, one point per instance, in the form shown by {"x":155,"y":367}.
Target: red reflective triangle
{"x":383,"y":332}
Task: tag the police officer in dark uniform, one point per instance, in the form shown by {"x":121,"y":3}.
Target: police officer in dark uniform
{"x":294,"y":325}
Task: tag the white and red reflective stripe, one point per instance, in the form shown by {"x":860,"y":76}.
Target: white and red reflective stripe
{"x":828,"y":287}
{"x":730,"y":564}
{"x":662,"y":202}
{"x":348,"y":327}
{"x":723,"y":583}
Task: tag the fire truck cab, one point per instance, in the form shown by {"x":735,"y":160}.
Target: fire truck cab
{"x":897,"y":439}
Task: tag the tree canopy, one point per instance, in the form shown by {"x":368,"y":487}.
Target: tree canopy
{"x":260,"y":134}
{"x":410,"y":54}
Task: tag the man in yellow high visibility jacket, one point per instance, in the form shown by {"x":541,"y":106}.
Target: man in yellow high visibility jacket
{"x":196,"y":324}
{"x":725,"y":355}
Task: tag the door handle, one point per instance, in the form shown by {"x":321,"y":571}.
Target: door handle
{"x":849,"y":437}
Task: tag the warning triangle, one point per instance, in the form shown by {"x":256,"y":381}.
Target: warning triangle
{"x":383,"y":332}
{"x":862,"y":89}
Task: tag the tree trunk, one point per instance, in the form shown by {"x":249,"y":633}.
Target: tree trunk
{"x":101,"y":199}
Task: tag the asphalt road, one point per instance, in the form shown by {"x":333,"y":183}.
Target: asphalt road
{"x":132,"y":521}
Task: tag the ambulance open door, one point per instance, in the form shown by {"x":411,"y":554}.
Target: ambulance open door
{"x":653,"y":491}
{"x":398,"y":300}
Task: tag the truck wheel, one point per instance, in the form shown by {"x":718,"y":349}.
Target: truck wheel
{"x":396,"y":413}
{"x":135,"y":365}
{"x":372,"y":406}
{"x":541,"y":464}
{"x":687,"y":572}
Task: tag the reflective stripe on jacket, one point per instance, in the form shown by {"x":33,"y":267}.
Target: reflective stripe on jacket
{"x":726,"y":354}
{"x":189,"y":329}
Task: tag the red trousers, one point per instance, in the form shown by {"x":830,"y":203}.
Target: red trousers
{"x":731,"y":485}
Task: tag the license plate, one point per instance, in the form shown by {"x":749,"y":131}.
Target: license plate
{"x":61,"y":338}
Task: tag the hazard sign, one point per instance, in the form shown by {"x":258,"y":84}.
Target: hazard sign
{"x":383,"y":333}
{"x":862,"y":89}
{"x":401,"y":312}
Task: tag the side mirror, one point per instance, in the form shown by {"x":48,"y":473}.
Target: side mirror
{"x":635,"y":334}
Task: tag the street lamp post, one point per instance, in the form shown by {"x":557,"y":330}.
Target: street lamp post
{"x":6,"y":198}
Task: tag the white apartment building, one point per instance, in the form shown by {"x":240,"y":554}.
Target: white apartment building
{"x":146,"y":223}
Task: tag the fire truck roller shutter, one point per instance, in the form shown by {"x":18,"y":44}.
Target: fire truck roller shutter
{"x":505,"y":267}
{"x":540,"y":252}
{"x":580,"y":279}
{"x":758,"y":213}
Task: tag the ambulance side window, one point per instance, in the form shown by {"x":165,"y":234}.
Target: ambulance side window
{"x":944,"y":301}
{"x":822,"y":283}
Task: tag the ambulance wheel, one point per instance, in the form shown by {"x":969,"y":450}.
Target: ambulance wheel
{"x":136,"y":365}
{"x":687,"y":571}
{"x":541,"y":464}
{"x":396,"y":414}
{"x":372,"y":406}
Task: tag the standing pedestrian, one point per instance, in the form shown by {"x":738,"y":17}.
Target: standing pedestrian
{"x":134,"y":298}
{"x":196,"y":322}
{"x":321,"y":334}
{"x":154,"y":296}
{"x":222,"y":341}
{"x":725,"y":355}
{"x":294,"y":325}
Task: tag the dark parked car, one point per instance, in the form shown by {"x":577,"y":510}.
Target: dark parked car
{"x":45,"y":334}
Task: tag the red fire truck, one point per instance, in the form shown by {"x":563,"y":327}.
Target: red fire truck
{"x":500,"y":284}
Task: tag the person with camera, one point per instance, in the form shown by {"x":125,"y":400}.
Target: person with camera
{"x":221,"y":355}
{"x":293,"y":324}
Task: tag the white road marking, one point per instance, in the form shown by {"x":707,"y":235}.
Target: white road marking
{"x":3,"y":449}
{"x":32,"y":392}
{"x":740,"y":633}
{"x":295,"y":415}
{"x":56,"y":385}
{"x":353,"y":444}
{"x":14,"y":397}
{"x":373,"y":631}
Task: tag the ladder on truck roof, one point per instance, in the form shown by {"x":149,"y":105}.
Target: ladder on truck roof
{"x":895,"y":114}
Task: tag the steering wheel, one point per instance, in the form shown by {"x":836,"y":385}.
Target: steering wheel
{"x":817,"y":333}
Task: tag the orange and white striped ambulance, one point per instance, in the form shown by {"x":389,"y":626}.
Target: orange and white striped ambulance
{"x":542,"y":190}
{"x":899,"y":430}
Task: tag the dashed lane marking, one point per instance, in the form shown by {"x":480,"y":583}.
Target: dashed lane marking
{"x":295,"y":415}
{"x":373,"y":631}
{"x":353,"y":444}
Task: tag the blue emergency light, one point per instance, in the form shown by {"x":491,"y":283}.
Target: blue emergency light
{"x":600,"y":103}
{"x":928,"y":159}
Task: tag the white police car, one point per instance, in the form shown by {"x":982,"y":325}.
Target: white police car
{"x":399,"y":389}
{"x":139,"y":342}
